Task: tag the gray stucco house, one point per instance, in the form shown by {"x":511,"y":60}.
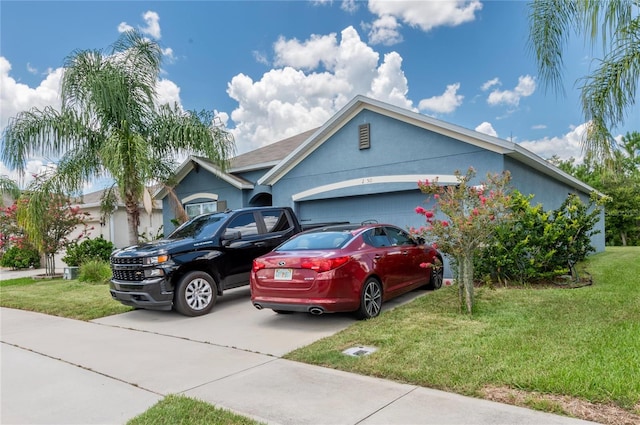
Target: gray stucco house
{"x":364,"y":163}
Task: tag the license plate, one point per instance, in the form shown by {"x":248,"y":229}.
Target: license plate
{"x":283,"y":274}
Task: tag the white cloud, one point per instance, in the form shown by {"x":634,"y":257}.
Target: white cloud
{"x":17,"y":97}
{"x":526,"y":86}
{"x":168,"y":92}
{"x":539,"y":127}
{"x":487,"y":128}
{"x":446,"y":103}
{"x":495,"y":82}
{"x":385,"y":30}
{"x":152,"y":28}
{"x":427,"y":15}
{"x":316,"y":78}
{"x":349,"y":6}
{"x":31,"y":69}
{"x":168,"y":55}
{"x":124,"y":27}
{"x":152,"y":20}
{"x":308,"y":54}
{"x":567,"y":146}
{"x":260,"y":57}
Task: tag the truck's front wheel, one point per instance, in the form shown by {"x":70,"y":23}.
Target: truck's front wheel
{"x":196,"y":294}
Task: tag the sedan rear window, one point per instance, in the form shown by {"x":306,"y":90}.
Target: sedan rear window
{"x":320,"y":240}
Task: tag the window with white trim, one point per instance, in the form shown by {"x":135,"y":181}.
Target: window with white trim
{"x":196,"y":209}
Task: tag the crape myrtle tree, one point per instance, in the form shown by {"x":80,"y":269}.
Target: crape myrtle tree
{"x":50,"y":232}
{"x":110,"y":125}
{"x":471,"y":215}
{"x":609,"y":91}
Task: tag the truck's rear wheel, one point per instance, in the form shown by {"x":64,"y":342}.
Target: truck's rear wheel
{"x":196,"y":294}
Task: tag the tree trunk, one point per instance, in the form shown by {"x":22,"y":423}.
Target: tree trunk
{"x":133,"y":220}
{"x":623,"y":238}
{"x":467,"y":281}
{"x":50,"y":264}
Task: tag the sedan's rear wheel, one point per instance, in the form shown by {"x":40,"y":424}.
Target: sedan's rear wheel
{"x":196,"y":294}
{"x":370,"y":299}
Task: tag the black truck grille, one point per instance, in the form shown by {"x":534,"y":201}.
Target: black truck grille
{"x":129,"y":275}
{"x":126,"y":260}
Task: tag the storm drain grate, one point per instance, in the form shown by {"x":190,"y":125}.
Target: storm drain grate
{"x":359,"y":351}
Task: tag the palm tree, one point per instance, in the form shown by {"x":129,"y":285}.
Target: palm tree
{"x":8,"y":187}
{"x":110,"y":125}
{"x":609,"y":91}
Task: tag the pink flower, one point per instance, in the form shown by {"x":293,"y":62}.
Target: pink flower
{"x":425,"y":265}
{"x":436,"y":196}
{"x":420,"y":210}
{"x":475,"y":211}
{"x":434,"y":245}
{"x":428,"y":214}
{"x":445,"y":224}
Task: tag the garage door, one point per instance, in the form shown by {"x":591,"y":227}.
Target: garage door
{"x":393,"y":208}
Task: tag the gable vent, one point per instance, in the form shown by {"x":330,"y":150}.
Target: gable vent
{"x":364,"y":136}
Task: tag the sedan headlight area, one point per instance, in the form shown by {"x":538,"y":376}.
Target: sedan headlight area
{"x":158,"y":259}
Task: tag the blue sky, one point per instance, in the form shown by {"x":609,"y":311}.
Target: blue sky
{"x":272,"y":69}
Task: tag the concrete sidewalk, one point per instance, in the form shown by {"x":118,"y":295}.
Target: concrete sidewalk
{"x":63,"y":371}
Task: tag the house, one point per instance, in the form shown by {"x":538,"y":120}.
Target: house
{"x":364,"y":163}
{"x":115,"y":227}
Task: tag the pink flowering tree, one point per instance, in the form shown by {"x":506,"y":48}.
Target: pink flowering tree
{"x":50,"y":231}
{"x":463,"y":217}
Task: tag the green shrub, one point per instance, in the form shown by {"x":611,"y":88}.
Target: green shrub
{"x":20,"y":258}
{"x":89,"y":249}
{"x":95,"y":271}
{"x":538,"y":245}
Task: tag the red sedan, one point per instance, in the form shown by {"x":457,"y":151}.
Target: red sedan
{"x":343,"y":268}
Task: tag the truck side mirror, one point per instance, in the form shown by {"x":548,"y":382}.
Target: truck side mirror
{"x":231,"y":236}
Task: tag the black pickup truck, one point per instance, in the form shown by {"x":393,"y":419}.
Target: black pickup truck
{"x":190,"y":268}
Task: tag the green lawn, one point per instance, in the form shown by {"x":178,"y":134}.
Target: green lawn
{"x":583,"y":342}
{"x":58,"y":297}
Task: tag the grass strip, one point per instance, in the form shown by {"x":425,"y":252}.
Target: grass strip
{"x":59,"y":297}
{"x":177,"y":409}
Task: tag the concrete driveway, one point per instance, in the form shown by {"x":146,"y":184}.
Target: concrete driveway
{"x":235,"y":323}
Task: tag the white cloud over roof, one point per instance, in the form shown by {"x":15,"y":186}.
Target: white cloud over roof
{"x":526,"y":87}
{"x":487,"y":128}
{"x":317,"y":77}
{"x":567,"y":146}
{"x":446,"y":103}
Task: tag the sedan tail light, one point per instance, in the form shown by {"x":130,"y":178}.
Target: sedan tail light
{"x":258,"y":265}
{"x":323,"y":264}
